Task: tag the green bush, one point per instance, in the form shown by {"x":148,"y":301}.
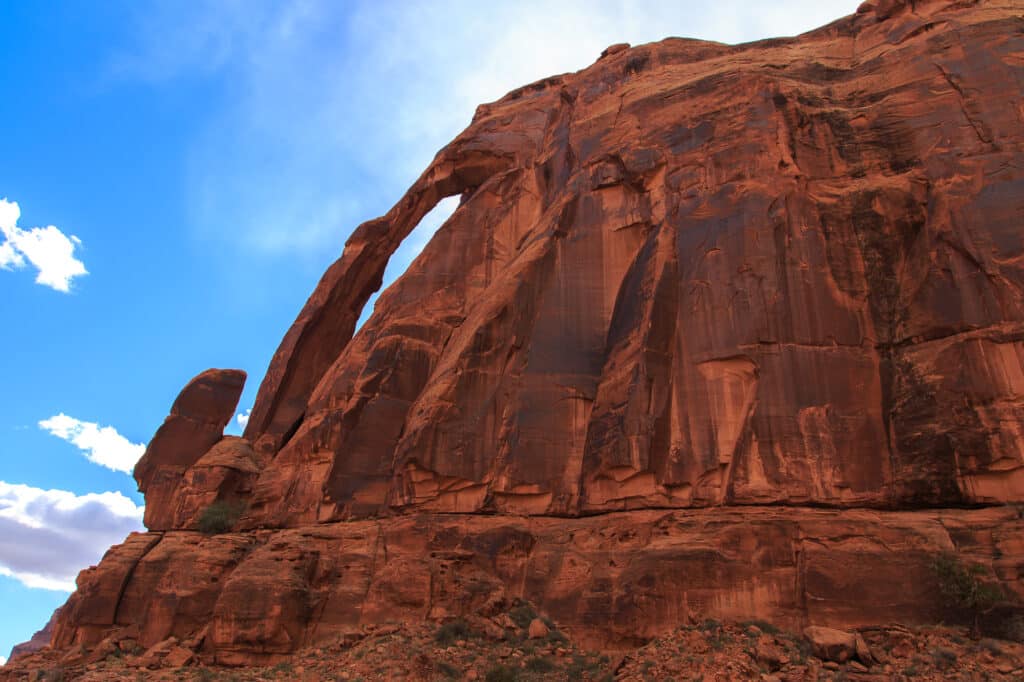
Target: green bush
{"x":539,"y":665}
{"x":943,"y":657}
{"x":447,"y":670}
{"x":502,"y":673}
{"x":220,"y":517}
{"x":964,"y":588}
{"x":522,"y":614}
{"x":710,"y":625}
{"x":449,"y":633}
{"x":762,"y":625}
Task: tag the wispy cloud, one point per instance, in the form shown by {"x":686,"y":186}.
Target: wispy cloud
{"x":48,"y":536}
{"x":101,"y":445}
{"x":333,"y":108}
{"x":47,"y":249}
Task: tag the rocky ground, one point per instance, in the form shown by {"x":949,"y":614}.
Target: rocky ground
{"x":521,"y":646}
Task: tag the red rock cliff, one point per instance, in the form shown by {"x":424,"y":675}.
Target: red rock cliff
{"x":691,"y":277}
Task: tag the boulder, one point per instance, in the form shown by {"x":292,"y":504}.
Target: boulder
{"x":538,"y":629}
{"x":830,"y":644}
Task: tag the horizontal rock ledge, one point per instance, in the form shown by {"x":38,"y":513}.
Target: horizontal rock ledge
{"x":609,"y":581}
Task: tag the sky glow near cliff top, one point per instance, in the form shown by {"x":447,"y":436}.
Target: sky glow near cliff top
{"x":183,"y":173}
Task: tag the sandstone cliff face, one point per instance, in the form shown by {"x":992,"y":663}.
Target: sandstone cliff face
{"x":609,"y":581}
{"x":689,"y":275}
{"x":728,"y":283}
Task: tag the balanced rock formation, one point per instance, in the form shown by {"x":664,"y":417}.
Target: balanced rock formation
{"x":183,"y":450}
{"x":689,"y":293}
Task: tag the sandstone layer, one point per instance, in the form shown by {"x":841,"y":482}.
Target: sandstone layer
{"x":736,"y":330}
{"x":610,"y":581}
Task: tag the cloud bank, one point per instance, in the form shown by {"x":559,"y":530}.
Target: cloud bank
{"x":47,"y":249}
{"x":48,"y":536}
{"x":101,"y":445}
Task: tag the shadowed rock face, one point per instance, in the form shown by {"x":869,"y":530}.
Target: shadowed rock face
{"x":693,"y":277}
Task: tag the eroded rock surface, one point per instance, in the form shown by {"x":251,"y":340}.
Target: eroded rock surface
{"x":611,"y":581}
{"x":689,"y":293}
{"x":690,"y":275}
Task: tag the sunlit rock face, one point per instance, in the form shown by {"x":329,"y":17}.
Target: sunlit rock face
{"x":689,"y":292}
{"x":611,"y":581}
{"x":689,"y":275}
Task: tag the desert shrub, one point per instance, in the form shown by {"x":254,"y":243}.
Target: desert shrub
{"x":574,"y":671}
{"x":944,"y":658}
{"x":502,"y":673}
{"x":539,"y":665}
{"x":801,"y":649}
{"x":556,"y":636}
{"x":449,"y":633}
{"x":965,"y":590}
{"x":762,"y":625}
{"x":522,"y":614}
{"x":447,"y":670}
{"x":710,"y":625}
{"x":1013,"y":628}
{"x":220,"y":517}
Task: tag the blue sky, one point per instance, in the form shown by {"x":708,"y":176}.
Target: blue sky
{"x":204,"y":163}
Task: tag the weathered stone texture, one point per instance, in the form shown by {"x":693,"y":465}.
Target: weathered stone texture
{"x":690,"y":275}
{"x":610,"y":581}
{"x":689,"y":292}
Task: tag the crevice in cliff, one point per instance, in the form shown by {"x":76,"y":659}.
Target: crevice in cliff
{"x":1000,"y":333}
{"x":130,"y":572}
{"x":292,"y":430}
{"x":979,"y":127}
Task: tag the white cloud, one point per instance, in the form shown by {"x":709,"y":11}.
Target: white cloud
{"x":48,"y":536}
{"x":339,"y":106}
{"x":48,"y":249}
{"x":101,"y":445}
{"x":243,"y":418}
{"x":3,"y":661}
